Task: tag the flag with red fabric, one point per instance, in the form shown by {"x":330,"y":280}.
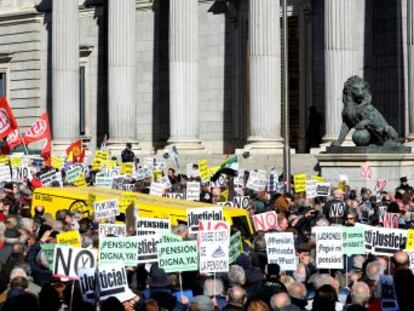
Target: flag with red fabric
{"x":7,"y":121}
{"x":14,"y":139}
{"x":75,"y":152}
{"x":39,"y":130}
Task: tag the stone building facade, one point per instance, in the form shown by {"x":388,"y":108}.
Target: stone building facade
{"x":204,"y":75}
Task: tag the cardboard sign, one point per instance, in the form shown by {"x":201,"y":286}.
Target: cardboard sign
{"x":299,"y":182}
{"x":157,"y":189}
{"x":193,"y":191}
{"x":329,"y":244}
{"x":265,"y":221}
{"x":353,"y":240}
{"x":113,"y":230}
{"x":384,"y":241}
{"x":104,"y":181}
{"x":48,"y":249}
{"x":178,"y":256}
{"x":73,"y":174}
{"x":106,"y":209}
{"x":256,"y":181}
{"x":280,"y":248}
{"x":119,"y":249}
{"x":68,"y":260}
{"x":147,"y":226}
{"x":214,"y":251}
{"x":147,"y":248}
{"x":112,"y":281}
{"x":52,"y":179}
{"x":21,"y":173}
{"x":5,"y":174}
{"x":323,"y":189}
{"x":235,"y":248}
{"x":195,"y":215}
{"x":389,"y":300}
{"x":71,"y":238}
{"x":391,"y":220}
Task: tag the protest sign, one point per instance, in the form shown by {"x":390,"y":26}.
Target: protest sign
{"x":147,"y":226}
{"x":112,"y":281}
{"x":193,"y":191}
{"x":384,"y":241}
{"x":195,"y":215}
{"x":165,"y":181}
{"x":214,"y":250}
{"x":168,"y":237}
{"x":329,"y":252}
{"x":114,"y":230}
{"x":239,"y":179}
{"x":119,"y":249}
{"x":265,"y":221}
{"x":353,"y":240}
{"x":391,"y":220}
{"x":73,"y":174}
{"x":273,"y":179}
{"x":81,"y":181}
{"x":389,"y":300}
{"x":71,"y":238}
{"x":213,"y":225}
{"x":48,"y":250}
{"x":380,"y":185}
{"x":299,"y":181}
{"x":106,"y":209}
{"x":318,"y":179}
{"x":57,"y":162}
{"x":178,"y":256}
{"x":52,"y":179}
{"x":21,"y":173}
{"x":242,"y":202}
{"x":156,"y":175}
{"x":5,"y":174}
{"x":227,"y":203}
{"x":87,"y":284}
{"x":203,"y":168}
{"x":127,"y":168}
{"x":280,"y":248}
{"x":410,"y":240}
{"x":323,"y":189}
{"x":147,"y":248}
{"x":256,"y":181}
{"x":235,"y":248}
{"x":68,"y":260}
{"x":104,"y":181}
{"x":101,"y":155}
{"x":311,"y":189}
{"x":366,"y":171}
{"x":16,"y":160}
{"x":108,"y":164}
{"x":157,"y":189}
{"x":175,"y":195}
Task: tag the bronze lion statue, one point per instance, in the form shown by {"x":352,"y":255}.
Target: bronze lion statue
{"x":371,"y":128}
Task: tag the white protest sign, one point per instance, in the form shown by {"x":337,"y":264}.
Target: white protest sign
{"x":147,"y":226}
{"x":21,"y":173}
{"x":73,"y":174}
{"x":280,"y":248}
{"x":214,"y":250}
{"x":242,"y":202}
{"x":329,"y":253}
{"x":195,"y":215}
{"x":119,"y":249}
{"x":112,"y":281}
{"x":227,"y":203}
{"x":68,"y":260}
{"x":193,"y":191}
{"x":147,"y":248}
{"x":104,"y":181}
{"x":323,"y":189}
{"x":273,"y":179}
{"x":5,"y":174}
{"x":256,"y":181}
{"x":157,"y":189}
{"x":178,"y":256}
{"x":51,"y":179}
{"x":165,"y":181}
{"x":115,"y":230}
{"x":311,"y":188}
{"x":265,"y":221}
{"x":106,"y":209}
{"x":239,"y":179}
{"x":384,"y":241}
{"x":87,"y":284}
{"x":175,"y":195}
{"x":213,"y":225}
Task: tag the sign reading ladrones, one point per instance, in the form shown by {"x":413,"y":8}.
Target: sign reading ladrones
{"x":280,"y":247}
{"x":68,"y":260}
{"x":106,"y":209}
{"x":329,"y":253}
{"x":147,"y":226}
{"x":119,"y":249}
{"x":214,"y":250}
{"x":178,"y":256}
{"x":195,"y":215}
{"x":384,"y":241}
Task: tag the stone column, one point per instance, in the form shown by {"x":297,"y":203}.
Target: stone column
{"x":340,"y":60}
{"x":65,"y":73}
{"x":183,"y":53}
{"x":121,"y":73}
{"x":265,"y":77}
{"x":410,"y":85}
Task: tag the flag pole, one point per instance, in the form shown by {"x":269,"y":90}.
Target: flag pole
{"x":24,"y":145}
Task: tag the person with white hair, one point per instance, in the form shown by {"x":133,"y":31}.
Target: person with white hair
{"x":280,"y":301}
{"x":21,"y":271}
{"x":214,"y":289}
{"x":236,"y":297}
{"x":202,"y":303}
{"x":297,"y":293}
{"x":237,"y":276}
{"x":360,"y":294}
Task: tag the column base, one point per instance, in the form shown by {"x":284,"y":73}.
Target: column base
{"x":185,"y":146}
{"x":116,"y":145}
{"x":260,"y":145}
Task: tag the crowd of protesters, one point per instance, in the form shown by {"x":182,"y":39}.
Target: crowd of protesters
{"x":27,"y":283}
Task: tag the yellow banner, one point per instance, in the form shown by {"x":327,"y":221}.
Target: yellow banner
{"x":300,"y":182}
{"x":71,"y":238}
{"x":204,"y":172}
{"x":127,"y":168}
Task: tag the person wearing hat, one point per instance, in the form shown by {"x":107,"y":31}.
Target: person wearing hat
{"x":404,"y":186}
{"x":336,"y":209}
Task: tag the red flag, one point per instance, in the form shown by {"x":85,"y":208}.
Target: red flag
{"x":75,"y":152}
{"x":7,"y":121}
{"x":14,"y":139}
{"x":39,"y":130}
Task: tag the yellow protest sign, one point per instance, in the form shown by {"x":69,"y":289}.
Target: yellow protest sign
{"x":156,"y":175}
{"x":4,"y":159}
{"x":102,"y":155}
{"x":410,"y":240}
{"x":203,"y":168}
{"x":71,"y":238}
{"x":300,"y":182}
{"x":213,"y":170}
{"x":57,"y":162}
{"x":109,"y":164}
{"x":91,"y":200}
{"x":96,"y":165}
{"x":129,"y":197}
{"x":16,"y":161}
{"x":318,"y":179}
{"x":341,"y":185}
{"x":224,"y":195}
{"x":80,"y":182}
{"x":127,"y":168}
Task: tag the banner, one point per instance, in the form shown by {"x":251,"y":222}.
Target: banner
{"x":106,"y":209}
{"x":119,"y":249}
{"x":104,"y":181}
{"x":71,"y":238}
{"x":195,"y":215}
{"x":265,"y":221}
{"x":353,"y":240}
{"x":299,"y":181}
{"x":67,"y":261}
{"x":193,"y":191}
{"x":214,"y":251}
{"x":112,"y":230}
{"x":235,"y":248}
{"x":147,"y":226}
{"x":280,"y":248}
{"x":329,"y":252}
{"x":256,"y":181}
{"x":384,"y":241}
{"x":178,"y":256}
{"x":7,"y":121}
